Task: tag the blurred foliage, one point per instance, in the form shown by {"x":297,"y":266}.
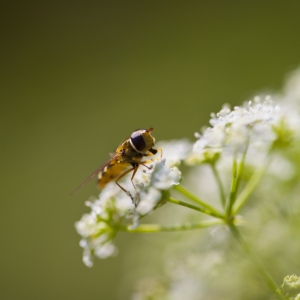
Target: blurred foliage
{"x":76,"y":79}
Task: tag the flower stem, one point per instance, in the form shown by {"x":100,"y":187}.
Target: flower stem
{"x":237,"y":176}
{"x":248,"y":189}
{"x":233,"y":186}
{"x":218,"y":179}
{"x":205,"y":211}
{"x":263,"y":272}
{"x":152,"y":228}
{"x":194,"y":198}
{"x":241,"y":166}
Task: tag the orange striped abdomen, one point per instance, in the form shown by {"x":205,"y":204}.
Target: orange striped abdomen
{"x":111,"y":172}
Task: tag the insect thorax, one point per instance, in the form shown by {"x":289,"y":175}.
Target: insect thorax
{"x":128,"y":153}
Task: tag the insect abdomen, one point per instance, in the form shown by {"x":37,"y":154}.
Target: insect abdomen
{"x":111,"y":172}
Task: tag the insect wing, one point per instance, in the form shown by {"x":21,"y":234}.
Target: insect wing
{"x":95,"y":173}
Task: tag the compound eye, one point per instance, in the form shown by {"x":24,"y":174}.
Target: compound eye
{"x":138,"y":141}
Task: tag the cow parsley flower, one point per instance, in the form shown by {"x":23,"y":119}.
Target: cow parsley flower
{"x":175,"y":151}
{"x":100,"y":226}
{"x":114,"y":211}
{"x":253,"y":156}
{"x":162,"y":179}
{"x":259,"y":124}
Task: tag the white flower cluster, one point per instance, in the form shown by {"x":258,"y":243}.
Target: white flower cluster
{"x":97,"y":228}
{"x":261,"y":125}
{"x":258,"y":124}
{"x":165,"y":174}
{"x":114,"y":209}
{"x":162,"y":179}
{"x":256,"y":128}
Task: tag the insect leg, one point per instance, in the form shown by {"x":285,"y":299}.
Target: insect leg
{"x":121,"y":176}
{"x":143,"y":163}
{"x":134,"y":172}
{"x":137,"y":193}
{"x":160,"y":150}
{"x":150,"y":160}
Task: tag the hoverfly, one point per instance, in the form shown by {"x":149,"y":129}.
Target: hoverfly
{"x":127,"y":158}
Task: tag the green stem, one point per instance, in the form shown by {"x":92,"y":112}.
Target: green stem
{"x":233,"y":187}
{"x":205,"y":211}
{"x":263,"y":272}
{"x":248,"y":189}
{"x":220,"y":186}
{"x":194,"y":198}
{"x":152,"y":228}
{"x":237,"y":177}
{"x":241,"y":167}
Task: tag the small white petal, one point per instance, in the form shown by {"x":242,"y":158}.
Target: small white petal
{"x":148,"y":201}
{"x":87,"y":258}
{"x":175,"y":151}
{"x":163,"y":177}
{"x":105,"y":250}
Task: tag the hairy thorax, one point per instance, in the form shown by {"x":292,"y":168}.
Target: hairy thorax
{"x":128,"y":154}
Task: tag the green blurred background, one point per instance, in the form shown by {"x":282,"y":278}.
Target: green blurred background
{"x":77,"y":78}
